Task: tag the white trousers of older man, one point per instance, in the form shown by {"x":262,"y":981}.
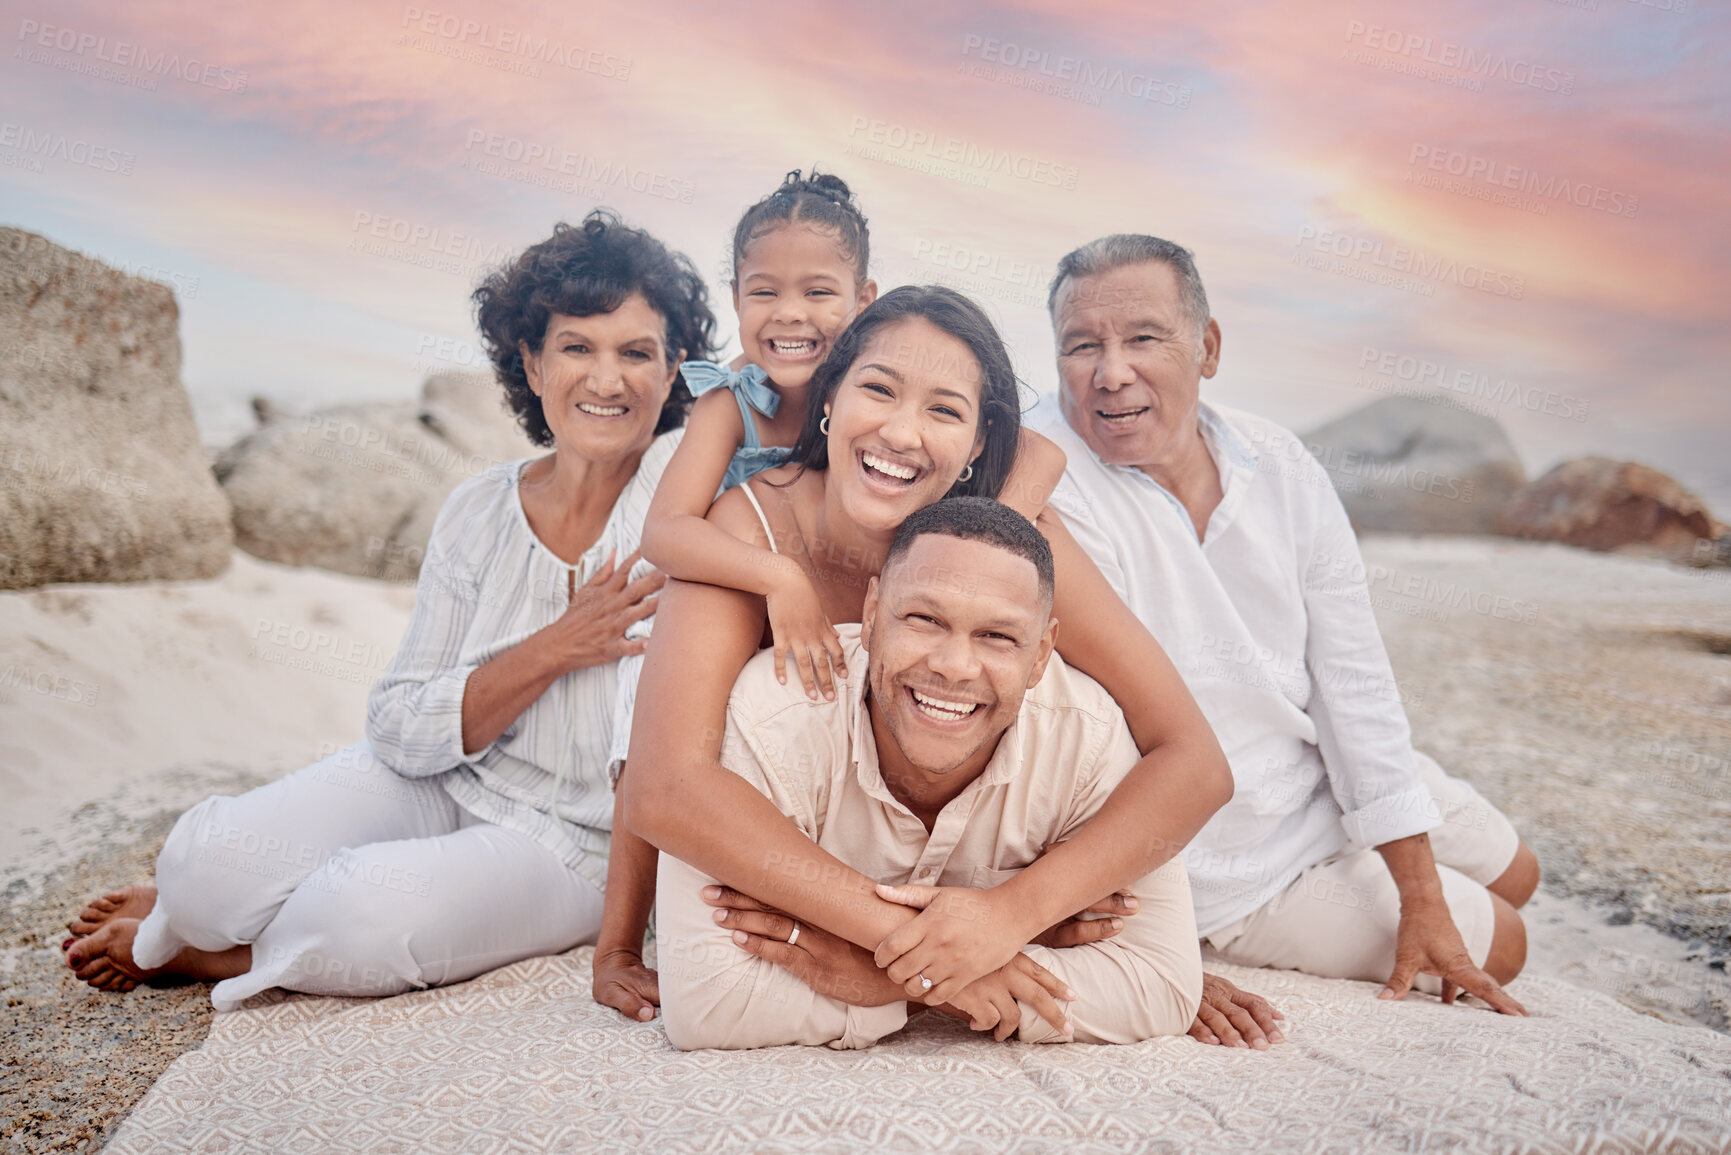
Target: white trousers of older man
{"x":347,"y":878}
{"x":1340,"y":917}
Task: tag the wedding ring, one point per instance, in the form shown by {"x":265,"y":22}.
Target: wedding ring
{"x":794,"y":937}
{"x":925,"y":982}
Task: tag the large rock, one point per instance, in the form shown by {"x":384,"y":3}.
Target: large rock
{"x":102,"y":477}
{"x":355,"y":488}
{"x":1409,"y":465}
{"x":1602,"y":504}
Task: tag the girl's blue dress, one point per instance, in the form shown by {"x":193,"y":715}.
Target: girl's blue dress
{"x":751,"y":391}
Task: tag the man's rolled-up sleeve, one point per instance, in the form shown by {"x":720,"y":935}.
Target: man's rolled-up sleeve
{"x":714,"y":993}
{"x":1356,"y":705}
{"x":1144,"y":982}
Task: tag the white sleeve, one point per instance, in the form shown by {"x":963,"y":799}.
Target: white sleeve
{"x":415,"y":711}
{"x":1361,"y":725}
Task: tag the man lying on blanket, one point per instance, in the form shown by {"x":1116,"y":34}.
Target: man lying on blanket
{"x":967,"y":751}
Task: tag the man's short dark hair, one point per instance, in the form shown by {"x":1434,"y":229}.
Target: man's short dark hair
{"x":978,"y":519}
{"x":1120,"y":249}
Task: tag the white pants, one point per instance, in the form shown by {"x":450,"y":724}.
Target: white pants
{"x":1340,"y":918}
{"x":348,"y":879}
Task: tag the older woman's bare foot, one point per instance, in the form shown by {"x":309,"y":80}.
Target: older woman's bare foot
{"x":103,"y":958}
{"x":132,"y":902}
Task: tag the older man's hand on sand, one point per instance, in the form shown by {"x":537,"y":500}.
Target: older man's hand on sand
{"x":1235,"y":1018}
{"x":1428,"y":942}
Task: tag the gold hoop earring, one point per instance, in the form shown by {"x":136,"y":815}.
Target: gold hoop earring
{"x":968,"y":473}
{"x":823,"y":426}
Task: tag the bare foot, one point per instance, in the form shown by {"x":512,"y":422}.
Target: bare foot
{"x":103,"y":959}
{"x":132,"y":902}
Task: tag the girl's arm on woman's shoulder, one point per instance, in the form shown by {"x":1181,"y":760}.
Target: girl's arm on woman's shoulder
{"x":680,"y":797}
{"x":1038,"y":468}
{"x":677,"y":540}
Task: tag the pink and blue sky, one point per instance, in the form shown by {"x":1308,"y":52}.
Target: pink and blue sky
{"x":1520,"y":204}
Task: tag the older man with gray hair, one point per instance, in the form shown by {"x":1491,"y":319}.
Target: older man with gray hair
{"x":1344,"y":852}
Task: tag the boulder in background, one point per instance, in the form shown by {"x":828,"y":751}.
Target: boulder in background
{"x":102,"y":478}
{"x":1410,"y":465}
{"x":1601,"y":504}
{"x":355,"y":488}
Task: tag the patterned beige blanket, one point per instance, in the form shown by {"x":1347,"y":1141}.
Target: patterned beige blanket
{"x":523,"y":1060}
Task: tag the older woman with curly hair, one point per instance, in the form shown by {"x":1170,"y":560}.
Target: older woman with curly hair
{"x":470,"y":829}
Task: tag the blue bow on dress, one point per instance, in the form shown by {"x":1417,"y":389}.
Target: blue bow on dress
{"x":751,"y":383}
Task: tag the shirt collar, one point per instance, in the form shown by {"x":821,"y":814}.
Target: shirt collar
{"x":1224,"y":440}
{"x":1234,"y":456}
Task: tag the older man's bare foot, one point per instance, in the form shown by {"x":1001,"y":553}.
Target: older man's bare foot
{"x":132,"y":902}
{"x":103,"y":959}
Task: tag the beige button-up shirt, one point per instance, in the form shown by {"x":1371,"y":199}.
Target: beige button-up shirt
{"x":817,"y":761}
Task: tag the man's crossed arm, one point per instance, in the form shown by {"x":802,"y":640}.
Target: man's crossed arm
{"x":732,"y":978}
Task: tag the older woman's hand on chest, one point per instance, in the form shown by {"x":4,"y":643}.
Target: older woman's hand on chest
{"x":591,"y":632}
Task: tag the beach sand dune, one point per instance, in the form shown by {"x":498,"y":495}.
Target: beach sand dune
{"x":1589,"y":696}
{"x":120,"y":706}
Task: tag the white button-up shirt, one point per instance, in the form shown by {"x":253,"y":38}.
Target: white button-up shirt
{"x":1268,"y":618}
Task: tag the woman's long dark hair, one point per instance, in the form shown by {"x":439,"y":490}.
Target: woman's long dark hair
{"x":1000,"y":408}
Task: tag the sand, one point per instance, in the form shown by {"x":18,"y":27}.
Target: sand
{"x":105,"y":685}
{"x":1590,"y":697}
{"x":120,"y":706}
{"x":1592,"y":702}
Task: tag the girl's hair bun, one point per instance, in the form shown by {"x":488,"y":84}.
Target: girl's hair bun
{"x":823,"y":184}
{"x":821,"y":198}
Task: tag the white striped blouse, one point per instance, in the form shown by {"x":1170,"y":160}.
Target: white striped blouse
{"x":487,"y":583}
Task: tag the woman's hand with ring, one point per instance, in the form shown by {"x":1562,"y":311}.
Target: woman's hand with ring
{"x":960,"y":935}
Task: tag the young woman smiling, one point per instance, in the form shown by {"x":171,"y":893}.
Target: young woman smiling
{"x":916,"y":402}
